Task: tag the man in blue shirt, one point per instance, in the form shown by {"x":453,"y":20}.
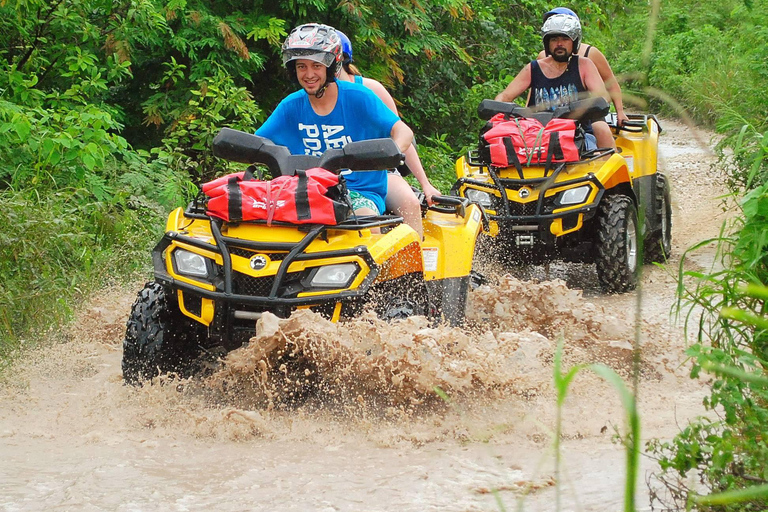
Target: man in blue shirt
{"x":328,"y":114}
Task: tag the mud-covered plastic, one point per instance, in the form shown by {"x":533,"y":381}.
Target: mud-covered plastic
{"x":247,"y":148}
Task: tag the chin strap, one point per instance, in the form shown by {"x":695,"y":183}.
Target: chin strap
{"x":320,"y":92}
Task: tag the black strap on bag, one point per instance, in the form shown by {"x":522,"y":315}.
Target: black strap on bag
{"x":509,"y":147}
{"x":550,"y":153}
{"x":302,"y":197}
{"x":235,"y":202}
{"x":555,"y":149}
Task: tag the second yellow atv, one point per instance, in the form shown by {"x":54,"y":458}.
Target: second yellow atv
{"x":214,"y":279}
{"x":600,"y":209}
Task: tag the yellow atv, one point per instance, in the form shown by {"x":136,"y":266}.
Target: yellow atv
{"x":214,"y":279}
{"x":602,"y":208}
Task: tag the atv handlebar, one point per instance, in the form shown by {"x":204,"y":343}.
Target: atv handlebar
{"x":631,"y":126}
{"x":450,"y":204}
{"x":586,"y":110}
{"x":247,"y":148}
{"x":636,"y":123}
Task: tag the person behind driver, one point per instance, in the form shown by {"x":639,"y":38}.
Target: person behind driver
{"x":400,"y":197}
{"x":327,"y":113}
{"x":561,"y":77}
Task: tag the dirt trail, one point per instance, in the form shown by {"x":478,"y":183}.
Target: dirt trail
{"x":72,"y":437}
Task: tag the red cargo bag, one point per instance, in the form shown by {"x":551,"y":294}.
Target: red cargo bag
{"x":314,"y":196}
{"x":506,"y":142}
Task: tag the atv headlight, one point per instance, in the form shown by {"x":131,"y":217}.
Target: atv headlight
{"x":479,"y":196}
{"x":575,"y":195}
{"x":189,"y":263}
{"x":336,"y":276}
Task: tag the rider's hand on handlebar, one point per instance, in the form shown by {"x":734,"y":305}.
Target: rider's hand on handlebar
{"x":621,"y":119}
{"x":430,"y":191}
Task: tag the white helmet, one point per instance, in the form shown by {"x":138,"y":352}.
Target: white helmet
{"x":562,"y":25}
{"x":316,"y":42}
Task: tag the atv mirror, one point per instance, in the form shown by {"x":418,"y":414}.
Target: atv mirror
{"x":247,"y":148}
{"x":373,"y":154}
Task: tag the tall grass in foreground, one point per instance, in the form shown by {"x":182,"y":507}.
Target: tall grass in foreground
{"x":57,"y":248}
{"x":728,"y":451}
{"x":629,"y":401}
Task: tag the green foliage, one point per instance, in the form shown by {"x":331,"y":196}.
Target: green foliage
{"x":729,"y":452}
{"x":216,"y":103}
{"x":438,"y":160}
{"x":108,"y":108}
{"x":708,"y":58}
{"x":709,"y":61}
{"x":743,"y":153}
{"x":705,"y":61}
{"x":57,"y":247}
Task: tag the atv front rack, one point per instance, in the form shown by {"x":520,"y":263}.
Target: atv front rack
{"x":243,"y":298}
{"x":474,"y":160}
{"x":535,"y":213}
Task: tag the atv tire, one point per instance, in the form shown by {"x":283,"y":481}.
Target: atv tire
{"x":658,"y":245}
{"x":401,"y":298}
{"x":158,"y":338}
{"x":617,"y":255}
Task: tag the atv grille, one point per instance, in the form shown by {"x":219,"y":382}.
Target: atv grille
{"x":243,"y":284}
{"x":247,"y":253}
{"x":256,"y":286}
{"x":522,"y":209}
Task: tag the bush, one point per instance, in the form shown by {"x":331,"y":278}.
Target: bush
{"x":60,"y":246}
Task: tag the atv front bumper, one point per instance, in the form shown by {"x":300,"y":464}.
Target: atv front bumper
{"x":213,"y":292}
{"x":538,"y":213}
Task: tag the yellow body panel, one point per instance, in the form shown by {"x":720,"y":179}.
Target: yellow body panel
{"x":448,"y":249}
{"x":639,"y":149}
{"x":635,"y":157}
{"x":444,"y":248}
{"x":206,"y":311}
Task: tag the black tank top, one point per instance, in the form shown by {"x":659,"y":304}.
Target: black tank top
{"x":550,"y":93}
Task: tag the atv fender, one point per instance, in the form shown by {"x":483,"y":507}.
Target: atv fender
{"x":463,"y":169}
{"x":398,"y":253}
{"x":614,"y":173}
{"x":449,"y":243}
{"x":175,"y":220}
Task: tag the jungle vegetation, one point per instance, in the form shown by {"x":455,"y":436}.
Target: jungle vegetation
{"x":108,"y":108}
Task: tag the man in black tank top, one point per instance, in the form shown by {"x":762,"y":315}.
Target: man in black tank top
{"x":561,"y":76}
{"x":550,"y":93}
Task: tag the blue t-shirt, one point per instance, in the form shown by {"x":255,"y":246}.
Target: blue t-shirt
{"x":358,"y":115}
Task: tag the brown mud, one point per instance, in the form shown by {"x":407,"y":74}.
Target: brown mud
{"x":403,"y":416}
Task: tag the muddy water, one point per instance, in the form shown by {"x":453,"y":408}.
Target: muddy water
{"x":376,"y":435}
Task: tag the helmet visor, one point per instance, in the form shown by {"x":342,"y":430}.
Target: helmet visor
{"x":324,"y":58}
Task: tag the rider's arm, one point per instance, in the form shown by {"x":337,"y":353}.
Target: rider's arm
{"x":412,"y":159}
{"x":517,"y":86}
{"x":402,"y":135}
{"x":611,"y":84}
{"x":591,"y":78}
{"x":413,"y":162}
